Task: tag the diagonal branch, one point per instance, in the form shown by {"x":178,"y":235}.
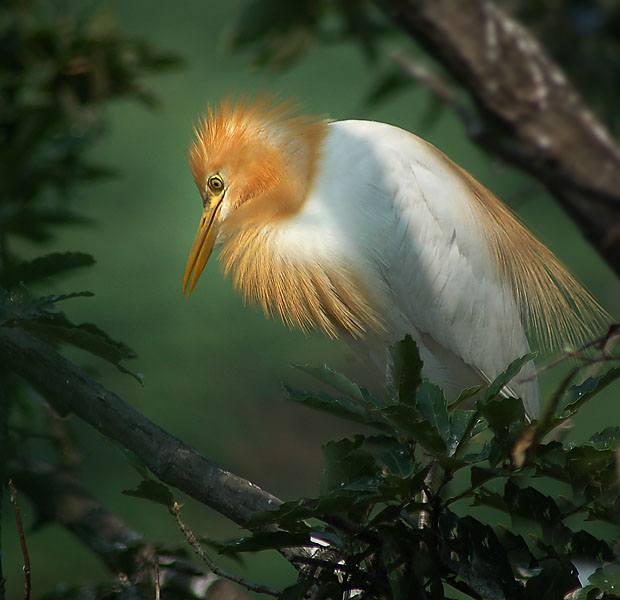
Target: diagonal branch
{"x":173,"y":461}
{"x":60,"y":497}
{"x":552,"y":132}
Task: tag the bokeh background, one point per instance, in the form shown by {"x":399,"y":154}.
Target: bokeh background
{"x":213,"y":368}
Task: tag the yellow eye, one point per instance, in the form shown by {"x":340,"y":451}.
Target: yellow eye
{"x":215,"y":184}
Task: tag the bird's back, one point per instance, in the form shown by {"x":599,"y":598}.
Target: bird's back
{"x":417,"y":234}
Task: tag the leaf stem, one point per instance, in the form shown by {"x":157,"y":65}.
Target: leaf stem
{"x":211,"y":565}
{"x":22,"y":539}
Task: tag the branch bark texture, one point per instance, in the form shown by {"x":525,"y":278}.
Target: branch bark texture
{"x":553,"y":133}
{"x":173,"y":461}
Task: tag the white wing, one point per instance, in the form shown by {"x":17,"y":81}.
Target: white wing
{"x":433,"y":271}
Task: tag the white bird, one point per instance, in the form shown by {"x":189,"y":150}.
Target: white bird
{"x":368,"y":232}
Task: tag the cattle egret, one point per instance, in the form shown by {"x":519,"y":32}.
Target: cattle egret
{"x":370,"y":233}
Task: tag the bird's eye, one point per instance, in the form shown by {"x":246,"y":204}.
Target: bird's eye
{"x":216,"y":184}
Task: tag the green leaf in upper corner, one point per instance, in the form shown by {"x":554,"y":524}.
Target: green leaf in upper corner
{"x":43,"y":266}
{"x":358,"y":394}
{"x":504,"y":378}
{"x":578,"y":395}
{"x":86,"y":336}
{"x":152,"y":490}
{"x":404,"y":371}
{"x":340,"y":407}
{"x":607,"y":579}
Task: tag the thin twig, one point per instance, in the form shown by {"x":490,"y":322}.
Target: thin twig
{"x":600,"y":343}
{"x":22,"y":539}
{"x":212,"y":566}
{"x":157,"y":587}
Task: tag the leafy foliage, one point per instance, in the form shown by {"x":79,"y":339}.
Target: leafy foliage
{"x":394,"y":517}
{"x":56,"y":77}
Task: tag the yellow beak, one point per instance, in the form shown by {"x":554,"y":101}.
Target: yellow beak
{"x":202,"y":246}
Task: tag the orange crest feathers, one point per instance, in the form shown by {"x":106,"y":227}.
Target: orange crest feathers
{"x":263,"y":148}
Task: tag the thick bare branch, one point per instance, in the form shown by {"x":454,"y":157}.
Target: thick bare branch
{"x":171,"y":460}
{"x":553,"y":133}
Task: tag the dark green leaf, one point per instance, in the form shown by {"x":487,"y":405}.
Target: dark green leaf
{"x":86,"y":336}
{"x":504,"y":378}
{"x":466,"y":395}
{"x":554,"y":581}
{"x":345,"y":463}
{"x":431,"y":403}
{"x":149,"y":489}
{"x":607,"y":579}
{"x":268,"y":540}
{"x":44,"y":266}
{"x":339,"y":382}
{"x":16,"y":304}
{"x":608,"y":439}
{"x":339,"y":407}
{"x":578,"y":395}
{"x":404,"y":371}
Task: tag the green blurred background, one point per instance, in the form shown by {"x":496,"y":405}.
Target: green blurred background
{"x":213,"y":368}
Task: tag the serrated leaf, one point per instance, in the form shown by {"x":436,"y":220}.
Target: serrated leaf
{"x":431,"y":403}
{"x":339,"y":407}
{"x":608,"y":439}
{"x":342,"y":384}
{"x":152,"y":490}
{"x":85,"y":336}
{"x":17,"y":304}
{"x":578,"y":395}
{"x":290,"y":514}
{"x":404,"y":370}
{"x":465,"y":395}
{"x":504,"y":378}
{"x":267,"y":540}
{"x":44,"y":266}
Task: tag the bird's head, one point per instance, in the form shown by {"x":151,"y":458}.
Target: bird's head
{"x":253,"y":164}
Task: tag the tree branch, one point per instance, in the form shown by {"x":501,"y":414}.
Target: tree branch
{"x":173,"y":461}
{"x":553,"y":133}
{"x":60,"y":497}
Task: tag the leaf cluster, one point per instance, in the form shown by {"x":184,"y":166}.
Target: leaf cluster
{"x":56,"y":76}
{"x":394,"y":518}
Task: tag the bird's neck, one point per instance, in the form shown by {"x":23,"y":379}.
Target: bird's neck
{"x":304,"y":289}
